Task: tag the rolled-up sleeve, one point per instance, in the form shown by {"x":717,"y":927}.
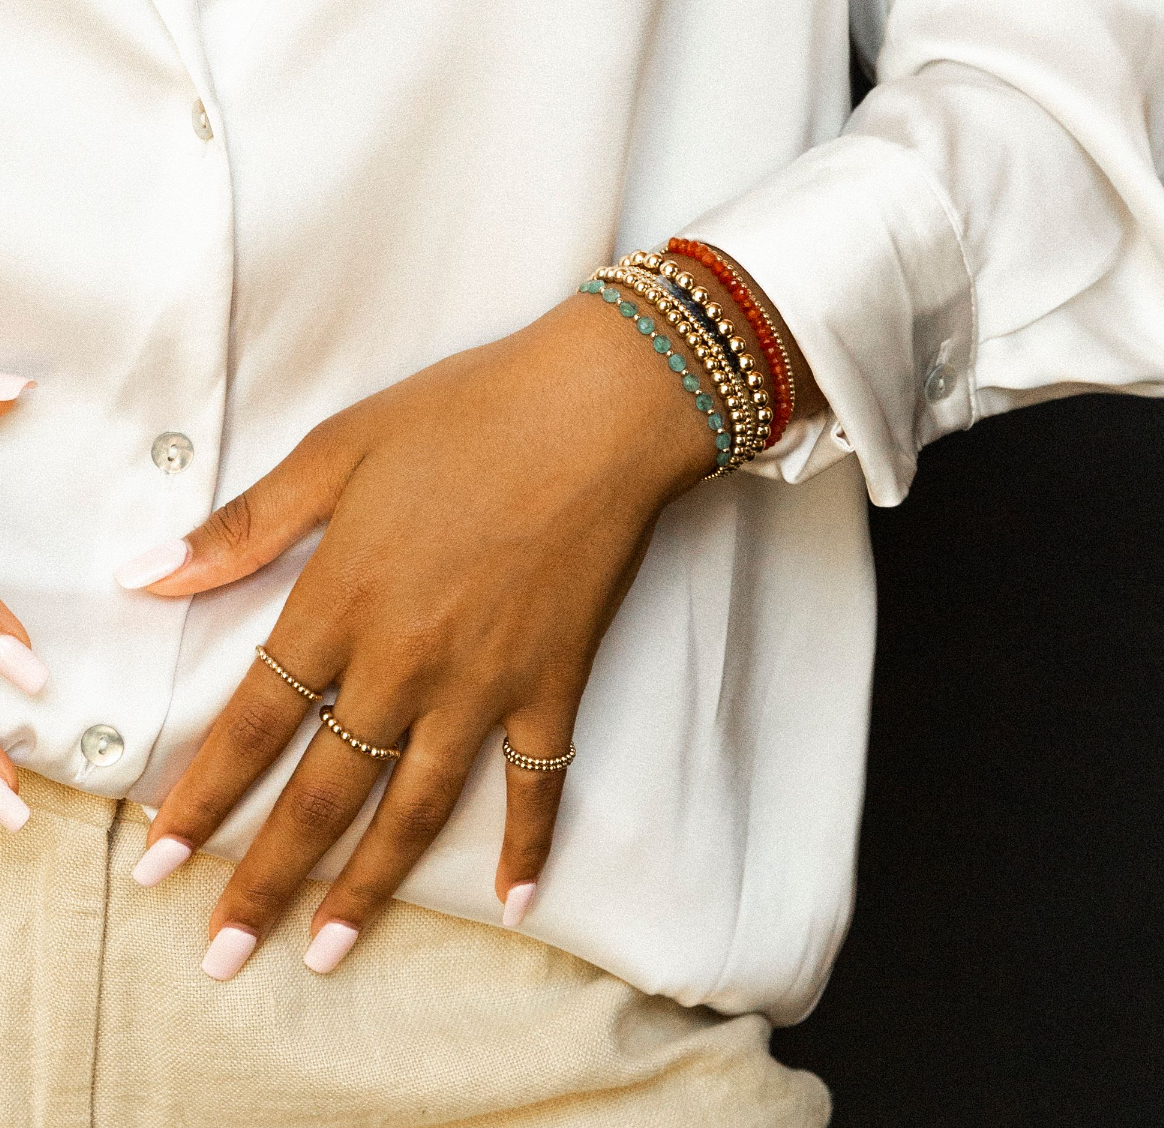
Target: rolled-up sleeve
{"x":987,"y":232}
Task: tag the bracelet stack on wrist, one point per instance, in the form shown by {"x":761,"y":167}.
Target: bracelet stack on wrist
{"x":749,"y":418}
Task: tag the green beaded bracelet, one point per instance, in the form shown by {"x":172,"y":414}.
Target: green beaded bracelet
{"x":675,"y":362}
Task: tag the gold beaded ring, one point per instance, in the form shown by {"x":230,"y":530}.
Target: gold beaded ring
{"x":554,"y":764}
{"x":328,"y":718}
{"x":294,"y":683}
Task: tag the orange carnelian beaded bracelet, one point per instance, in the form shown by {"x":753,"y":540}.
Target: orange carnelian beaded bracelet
{"x":771,"y":343}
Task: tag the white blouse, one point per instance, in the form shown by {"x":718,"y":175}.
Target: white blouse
{"x":210,"y":243}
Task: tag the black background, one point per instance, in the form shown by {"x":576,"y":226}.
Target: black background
{"x":1004,"y":962}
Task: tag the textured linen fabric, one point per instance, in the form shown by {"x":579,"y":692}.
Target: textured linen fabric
{"x":987,"y":230}
{"x":106,"y":1020}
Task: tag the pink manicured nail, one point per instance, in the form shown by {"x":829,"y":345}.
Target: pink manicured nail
{"x":228,"y":951}
{"x":12,"y":386}
{"x":156,"y":564}
{"x":332,"y":942}
{"x":20,"y":666}
{"x":13,"y":810}
{"x":517,"y":903}
{"x":160,"y":860}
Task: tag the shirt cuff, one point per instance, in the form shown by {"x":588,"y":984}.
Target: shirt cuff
{"x":857,"y":247}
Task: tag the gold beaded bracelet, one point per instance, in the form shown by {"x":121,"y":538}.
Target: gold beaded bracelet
{"x":730,"y":383}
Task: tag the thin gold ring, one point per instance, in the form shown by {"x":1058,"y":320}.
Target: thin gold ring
{"x":293,"y":682}
{"x":328,"y":718}
{"x":553,"y":764}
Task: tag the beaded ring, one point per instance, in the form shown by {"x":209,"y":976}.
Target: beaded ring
{"x":675,"y":361}
{"x":296,"y":685}
{"x":771,"y":342}
{"x":328,"y":718}
{"x":554,"y":764}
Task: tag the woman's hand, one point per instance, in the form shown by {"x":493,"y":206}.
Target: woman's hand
{"x":485,"y":519}
{"x":18,"y":664}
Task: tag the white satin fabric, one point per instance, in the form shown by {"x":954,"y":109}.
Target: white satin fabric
{"x":994,"y":208}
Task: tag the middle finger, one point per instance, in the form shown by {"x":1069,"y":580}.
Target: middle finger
{"x":324,"y":794}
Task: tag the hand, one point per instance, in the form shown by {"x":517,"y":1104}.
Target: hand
{"x":18,"y":664}
{"x":485,"y":518}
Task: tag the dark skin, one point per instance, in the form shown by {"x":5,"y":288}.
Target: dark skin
{"x":459,"y":586}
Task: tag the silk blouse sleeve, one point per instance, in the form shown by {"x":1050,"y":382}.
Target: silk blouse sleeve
{"x":988,"y":231}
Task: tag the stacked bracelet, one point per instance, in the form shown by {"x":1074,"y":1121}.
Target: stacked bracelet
{"x":675,"y":362}
{"x":701,"y":338}
{"x":771,"y":342}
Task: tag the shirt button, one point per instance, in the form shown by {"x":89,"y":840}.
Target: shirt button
{"x":939,"y":383}
{"x":172,"y":452}
{"x":201,"y":121}
{"x":102,"y":745}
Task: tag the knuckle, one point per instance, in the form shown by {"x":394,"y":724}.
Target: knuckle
{"x":418,"y":821}
{"x":527,"y":856}
{"x":361,"y":898}
{"x":232,"y":523}
{"x":254,"y":723}
{"x":318,"y":808}
{"x":255,"y":898}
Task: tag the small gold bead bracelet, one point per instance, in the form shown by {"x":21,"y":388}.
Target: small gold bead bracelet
{"x":294,"y":683}
{"x":328,"y":718}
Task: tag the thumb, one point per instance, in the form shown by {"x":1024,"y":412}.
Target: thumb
{"x":253,"y":528}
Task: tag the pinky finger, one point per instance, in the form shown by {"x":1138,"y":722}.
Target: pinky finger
{"x":532,"y":798}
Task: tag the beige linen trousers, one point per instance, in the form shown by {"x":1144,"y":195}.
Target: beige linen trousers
{"x":107,"y":1021}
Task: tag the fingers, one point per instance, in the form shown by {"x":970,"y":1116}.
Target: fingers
{"x":531,"y":806}
{"x":18,"y":664}
{"x":323,"y":796}
{"x":260,"y":719}
{"x":11,"y":387}
{"x":417,"y":803}
{"x":13,"y":810}
{"x":256,"y":526}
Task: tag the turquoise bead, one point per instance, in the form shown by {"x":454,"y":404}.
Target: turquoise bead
{"x":662,"y":344}
{"x":628,"y":309}
{"x":723,"y":441}
{"x":691,"y":382}
{"x":584,"y":288}
{"x":594,"y":286}
{"x":723,"y":458}
{"x":715,"y":421}
{"x":677,"y":363}
{"x":646,"y":326}
{"x":704,"y":402}
{"x":610,"y":294}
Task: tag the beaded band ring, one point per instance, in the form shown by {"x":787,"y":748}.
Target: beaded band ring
{"x":328,"y":718}
{"x":294,"y":683}
{"x":555,"y":764}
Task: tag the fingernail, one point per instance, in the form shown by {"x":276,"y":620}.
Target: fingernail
{"x":160,"y":860}
{"x":12,"y":386}
{"x":332,"y":942}
{"x":14,"y":811}
{"x":20,"y":666}
{"x":228,"y":951}
{"x":517,"y":903}
{"x":156,"y":564}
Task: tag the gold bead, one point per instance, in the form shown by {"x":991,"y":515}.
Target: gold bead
{"x":692,"y":339}
{"x":684,"y":327}
{"x":653,"y":295}
{"x":674,"y":316}
{"x":724,"y":390}
{"x":736,"y":416}
{"x":664,"y":304}
{"x":654,"y":261}
{"x":732,"y":401}
{"x":724,"y":328}
{"x":747,"y":362}
{"x":760,"y":398}
{"x":714,"y":310}
{"x":669,"y":268}
{"x":684,"y":280}
{"x":737,"y":344}
{"x":755,"y":380}
{"x":640,"y":286}
{"x":700,"y":351}
{"x":764,"y":414}
{"x":620,"y":275}
{"x":637,"y":258}
{"x":699,"y":295}
{"x":625,"y":260}
{"x":711,"y":364}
